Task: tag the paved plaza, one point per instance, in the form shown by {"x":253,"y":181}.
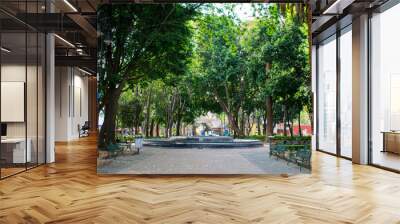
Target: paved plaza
{"x":200,"y":161}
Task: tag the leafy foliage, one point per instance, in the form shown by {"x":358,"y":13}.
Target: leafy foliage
{"x":164,"y":65}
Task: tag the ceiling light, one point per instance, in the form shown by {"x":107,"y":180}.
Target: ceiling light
{"x":70,"y":5}
{"x":331,"y":7}
{"x":337,"y":7}
{"x":84,"y":71}
{"x":5,"y":50}
{"x":79,"y":51}
{"x":65,"y":41}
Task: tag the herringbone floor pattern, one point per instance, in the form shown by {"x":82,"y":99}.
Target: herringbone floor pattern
{"x":70,"y":191}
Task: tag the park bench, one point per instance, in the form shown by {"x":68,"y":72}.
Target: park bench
{"x":293,"y":151}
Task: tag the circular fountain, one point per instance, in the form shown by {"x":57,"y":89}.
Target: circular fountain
{"x":202,"y":142}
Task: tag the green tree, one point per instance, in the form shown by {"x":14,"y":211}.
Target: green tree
{"x":279,"y":61}
{"x":220,"y":71}
{"x":175,"y":67}
{"x":138,"y":42}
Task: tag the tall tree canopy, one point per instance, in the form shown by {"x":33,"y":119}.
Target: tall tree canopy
{"x":138,"y":42}
{"x":164,"y":65}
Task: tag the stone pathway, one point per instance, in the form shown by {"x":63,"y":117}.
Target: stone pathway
{"x":200,"y":161}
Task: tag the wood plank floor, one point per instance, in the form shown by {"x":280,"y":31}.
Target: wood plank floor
{"x":70,"y":191}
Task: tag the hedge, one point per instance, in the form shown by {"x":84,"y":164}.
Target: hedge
{"x":290,"y":138}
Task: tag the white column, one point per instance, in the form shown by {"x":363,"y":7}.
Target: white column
{"x":360,"y":90}
{"x":62,"y":103}
{"x":50,"y":94}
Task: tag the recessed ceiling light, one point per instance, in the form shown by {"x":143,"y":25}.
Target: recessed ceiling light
{"x":70,"y":5}
{"x":64,"y":40}
{"x":337,"y":7}
{"x":5,"y":50}
{"x":84,"y":71}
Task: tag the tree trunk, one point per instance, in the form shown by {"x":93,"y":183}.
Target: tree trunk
{"x":136,"y":129}
{"x":107,"y":131}
{"x":259,"y":125}
{"x":233,"y":122}
{"x":247,"y":125}
{"x":269,"y":111}
{"x":290,"y":122}
{"x":243,"y":123}
{"x":265,"y":124}
{"x":250,"y":123}
{"x":193,"y":129}
{"x":170,"y":130}
{"x":179,"y":118}
{"x":178,"y":127}
{"x":170,"y":111}
{"x":152,"y":128}
{"x":231,"y":118}
{"x":284,"y":121}
{"x":269,"y":107}
{"x":236,"y":119}
{"x":300,"y":134}
{"x":147,"y":124}
{"x":158,"y":129}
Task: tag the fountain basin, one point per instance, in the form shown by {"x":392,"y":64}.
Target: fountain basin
{"x":202,"y":142}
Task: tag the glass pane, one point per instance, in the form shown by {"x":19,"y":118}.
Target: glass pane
{"x":32,"y":85}
{"x":41,"y":99}
{"x":14,"y":153}
{"x":385,"y":84}
{"x":31,"y":97}
{"x":23,"y":86}
{"x":346,"y":93}
{"x":327,"y":95}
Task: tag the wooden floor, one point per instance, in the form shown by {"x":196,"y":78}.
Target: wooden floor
{"x":387,"y":159}
{"x":70,"y":191}
{"x":5,"y":172}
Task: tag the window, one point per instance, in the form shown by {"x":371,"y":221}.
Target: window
{"x":385,"y":88}
{"x":346,"y":92}
{"x":327,"y":95}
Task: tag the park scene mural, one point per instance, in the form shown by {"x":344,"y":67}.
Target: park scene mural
{"x":204,"y":89}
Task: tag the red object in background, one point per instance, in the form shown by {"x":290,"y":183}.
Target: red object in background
{"x":305,"y":129}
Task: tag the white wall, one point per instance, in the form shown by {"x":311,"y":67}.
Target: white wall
{"x":12,"y":73}
{"x":71,"y":102}
{"x":33,"y":126}
{"x":62,"y":81}
{"x":16,"y":73}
